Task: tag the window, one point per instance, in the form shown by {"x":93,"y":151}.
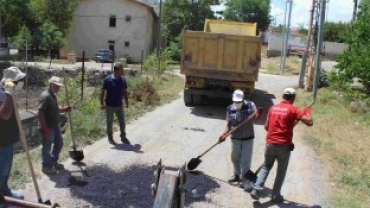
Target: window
{"x":127,"y":44}
{"x":112,"y":21}
{"x":111,"y":44}
{"x":128,"y":18}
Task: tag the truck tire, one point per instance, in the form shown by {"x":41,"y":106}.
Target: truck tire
{"x":188,"y":100}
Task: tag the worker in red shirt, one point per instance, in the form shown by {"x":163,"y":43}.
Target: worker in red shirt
{"x":281,"y":119}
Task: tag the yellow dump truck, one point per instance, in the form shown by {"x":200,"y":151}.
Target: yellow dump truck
{"x":223,"y":57}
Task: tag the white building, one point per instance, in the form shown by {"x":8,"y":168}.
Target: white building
{"x":127,"y":26}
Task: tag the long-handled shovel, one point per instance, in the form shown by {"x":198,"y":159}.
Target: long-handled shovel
{"x":25,"y":146}
{"x":75,"y":154}
{"x":194,"y":162}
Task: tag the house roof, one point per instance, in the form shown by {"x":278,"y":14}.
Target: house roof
{"x":150,"y":8}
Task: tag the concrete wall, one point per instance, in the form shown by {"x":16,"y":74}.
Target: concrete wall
{"x":330,"y":49}
{"x":90,"y":30}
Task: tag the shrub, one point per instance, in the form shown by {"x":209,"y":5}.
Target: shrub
{"x":151,"y":63}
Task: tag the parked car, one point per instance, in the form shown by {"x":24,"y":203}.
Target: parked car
{"x":104,"y":55}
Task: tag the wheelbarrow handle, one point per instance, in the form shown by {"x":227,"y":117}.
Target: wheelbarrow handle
{"x":23,"y":203}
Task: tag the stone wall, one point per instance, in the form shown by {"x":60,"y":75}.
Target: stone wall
{"x":29,"y":122}
{"x":31,"y":129}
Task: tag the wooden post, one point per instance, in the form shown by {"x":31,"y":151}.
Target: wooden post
{"x":83,"y":75}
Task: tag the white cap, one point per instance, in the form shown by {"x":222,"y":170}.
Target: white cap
{"x":289,"y":91}
{"x":12,"y":74}
{"x":56,"y":80}
{"x":238,"y":96}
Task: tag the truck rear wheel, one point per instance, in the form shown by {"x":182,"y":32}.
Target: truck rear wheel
{"x":188,"y":100}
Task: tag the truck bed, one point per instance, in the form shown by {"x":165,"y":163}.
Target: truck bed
{"x":221,"y":56}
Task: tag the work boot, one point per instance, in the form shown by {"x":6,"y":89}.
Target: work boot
{"x":49,"y":170}
{"x":111,"y":141}
{"x":277,"y":199}
{"x":58,"y":166}
{"x":256,"y":194}
{"x":125,"y":140}
{"x":234,"y":178}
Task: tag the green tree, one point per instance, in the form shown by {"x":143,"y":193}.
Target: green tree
{"x":180,"y":13}
{"x":11,"y":13}
{"x":23,"y":37}
{"x":249,"y":11}
{"x":355,"y":62}
{"x":51,"y":37}
{"x":302,"y":29}
{"x":58,"y":12}
{"x":336,"y":31}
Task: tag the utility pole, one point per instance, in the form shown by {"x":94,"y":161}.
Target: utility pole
{"x":282,"y":36}
{"x":282,"y":65}
{"x":26,"y":76}
{"x":355,"y":2}
{"x":308,"y":53}
{"x":159,"y":36}
{"x":319,"y":48}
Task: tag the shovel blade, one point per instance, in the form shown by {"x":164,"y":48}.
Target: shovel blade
{"x":193,"y":163}
{"x":76,"y":155}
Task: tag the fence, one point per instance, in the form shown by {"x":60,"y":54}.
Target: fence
{"x":87,"y":73}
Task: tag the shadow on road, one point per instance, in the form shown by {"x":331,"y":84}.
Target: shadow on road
{"x":265,"y":100}
{"x":216,"y":108}
{"x":124,"y":147}
{"x":131,"y":187}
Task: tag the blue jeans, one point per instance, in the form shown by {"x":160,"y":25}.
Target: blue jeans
{"x":241,"y":155}
{"x":51,"y":147}
{"x":6,"y":160}
{"x":281,"y":154}
{"x":121,"y":120}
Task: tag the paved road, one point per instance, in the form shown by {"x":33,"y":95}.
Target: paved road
{"x":121,"y":176}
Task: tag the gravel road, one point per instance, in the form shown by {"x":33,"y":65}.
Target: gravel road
{"x":121,"y":176}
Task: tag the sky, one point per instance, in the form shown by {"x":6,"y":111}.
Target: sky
{"x":337,"y":10}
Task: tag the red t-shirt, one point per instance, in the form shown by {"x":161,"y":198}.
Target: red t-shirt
{"x":281,"y":121}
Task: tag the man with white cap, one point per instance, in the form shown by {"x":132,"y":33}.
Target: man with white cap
{"x":242,"y":139}
{"x":9,"y":130}
{"x":48,"y":114}
{"x":281,"y":119}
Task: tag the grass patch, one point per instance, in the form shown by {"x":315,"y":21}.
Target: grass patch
{"x":89,"y":121}
{"x":272,"y":68}
{"x":272,"y":65}
{"x":341,"y":139}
